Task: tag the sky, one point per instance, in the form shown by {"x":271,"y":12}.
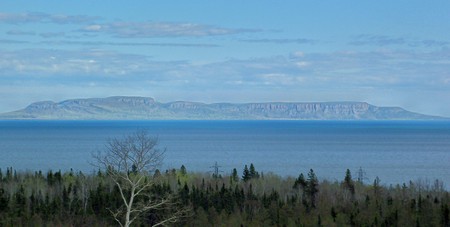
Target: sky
{"x":386,"y":53}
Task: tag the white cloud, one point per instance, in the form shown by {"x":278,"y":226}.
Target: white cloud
{"x":131,"y":44}
{"x":384,"y":40}
{"x":161,"y":29}
{"x":297,"y":54}
{"x":94,"y":27}
{"x":278,"y":79}
{"x":352,"y":73}
{"x":302,"y":64}
{"x":37,"y":17}
{"x":386,"y":68}
{"x":281,"y":41}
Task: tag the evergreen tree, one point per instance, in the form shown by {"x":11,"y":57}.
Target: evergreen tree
{"x":79,"y":200}
{"x":9,"y":172}
{"x":183,"y":170}
{"x":246,"y":174}
{"x":312,"y":187}
{"x":300,"y":182}
{"x":348,"y":182}
{"x":157,"y":173}
{"x":65,"y":198}
{"x":4,"y":200}
{"x":333,"y":214}
{"x":445,"y":215}
{"x":50,"y":178}
{"x":376,"y":186}
{"x":184,"y":194}
{"x":253,"y":173}
{"x":234,"y":175}
{"x":20,"y":201}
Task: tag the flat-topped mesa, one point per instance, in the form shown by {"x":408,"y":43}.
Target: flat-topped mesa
{"x":309,"y":110}
{"x":185,"y":105}
{"x":132,"y":100}
{"x":336,"y":107}
{"x":144,"y":108}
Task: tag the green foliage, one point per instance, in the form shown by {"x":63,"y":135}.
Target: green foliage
{"x":445,"y":215}
{"x":75,"y":199}
{"x":300,"y":182}
{"x":312,"y":188}
{"x":183,"y":170}
{"x":348,"y":182}
{"x":249,"y":174}
{"x":246,"y":174}
{"x":234,"y":175}
{"x":252,"y":172}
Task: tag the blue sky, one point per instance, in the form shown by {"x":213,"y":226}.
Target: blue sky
{"x":387,"y":53}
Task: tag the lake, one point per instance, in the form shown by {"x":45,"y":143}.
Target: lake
{"x":395,"y":151}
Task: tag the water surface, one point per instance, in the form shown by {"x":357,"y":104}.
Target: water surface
{"x":396,"y":151}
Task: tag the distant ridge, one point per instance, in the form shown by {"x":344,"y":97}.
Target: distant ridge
{"x":144,"y":108}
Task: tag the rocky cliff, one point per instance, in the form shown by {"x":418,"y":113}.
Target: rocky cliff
{"x":129,"y":108}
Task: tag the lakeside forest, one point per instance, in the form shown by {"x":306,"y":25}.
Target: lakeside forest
{"x":129,"y":190}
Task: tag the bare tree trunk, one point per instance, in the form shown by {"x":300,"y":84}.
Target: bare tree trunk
{"x":130,"y":163}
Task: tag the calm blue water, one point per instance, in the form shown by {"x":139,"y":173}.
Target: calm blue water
{"x":396,"y":151}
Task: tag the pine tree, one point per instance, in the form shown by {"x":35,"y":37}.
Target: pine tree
{"x":253,"y":173}
{"x":184,"y":194}
{"x":445,"y":215}
{"x":234,"y":175}
{"x":20,"y":201}
{"x":4,"y":200}
{"x":183,"y":170}
{"x":246,"y":174}
{"x":333,"y":214}
{"x":157,"y":173}
{"x":376,"y":186}
{"x":9,"y":172}
{"x":312,"y":187}
{"x":300,"y":182}
{"x":348,"y":182}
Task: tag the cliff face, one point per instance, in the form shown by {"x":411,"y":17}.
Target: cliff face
{"x":147,"y":108}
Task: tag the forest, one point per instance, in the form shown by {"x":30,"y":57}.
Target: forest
{"x":128,"y":189}
{"x":238,"y":198}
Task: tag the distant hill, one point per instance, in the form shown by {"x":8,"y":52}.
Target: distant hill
{"x":142,"y":108}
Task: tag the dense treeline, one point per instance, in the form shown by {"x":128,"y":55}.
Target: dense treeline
{"x":246,"y":199}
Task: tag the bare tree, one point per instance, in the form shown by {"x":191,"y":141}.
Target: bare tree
{"x":130,"y":162}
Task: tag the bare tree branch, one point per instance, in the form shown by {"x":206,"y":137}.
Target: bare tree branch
{"x":129,"y":162}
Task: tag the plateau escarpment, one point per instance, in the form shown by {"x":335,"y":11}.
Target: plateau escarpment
{"x":143,"y":108}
